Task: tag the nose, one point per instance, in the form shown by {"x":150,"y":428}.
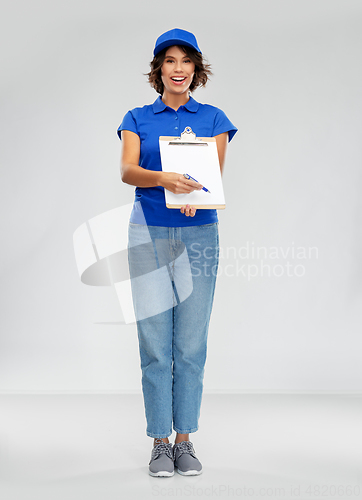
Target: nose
{"x":178,"y":66}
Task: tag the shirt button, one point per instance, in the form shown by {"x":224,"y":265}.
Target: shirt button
{"x":176,"y":117}
{"x":176,"y":128}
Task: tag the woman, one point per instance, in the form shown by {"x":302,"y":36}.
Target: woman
{"x":173,"y":254}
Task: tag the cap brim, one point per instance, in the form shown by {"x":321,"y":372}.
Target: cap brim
{"x":170,"y":43}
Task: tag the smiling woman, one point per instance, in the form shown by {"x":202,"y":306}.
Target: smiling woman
{"x":177,"y":71}
{"x":164,"y":57}
{"x":172,"y":305}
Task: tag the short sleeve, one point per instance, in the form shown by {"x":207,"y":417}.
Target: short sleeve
{"x":223,"y":124}
{"x":128,"y":123}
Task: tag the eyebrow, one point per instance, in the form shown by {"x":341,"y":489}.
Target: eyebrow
{"x":172,"y":57}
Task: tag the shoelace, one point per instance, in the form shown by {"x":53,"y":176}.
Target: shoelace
{"x":184,"y":447}
{"x":161,"y":447}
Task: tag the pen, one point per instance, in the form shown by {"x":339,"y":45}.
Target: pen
{"x":187,"y":176}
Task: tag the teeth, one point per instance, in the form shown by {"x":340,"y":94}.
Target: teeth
{"x":179,"y":79}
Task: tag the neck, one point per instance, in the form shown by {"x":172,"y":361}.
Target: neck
{"x":174,"y":101}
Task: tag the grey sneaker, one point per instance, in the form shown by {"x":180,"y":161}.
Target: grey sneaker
{"x":185,"y":460}
{"x":161,"y":463}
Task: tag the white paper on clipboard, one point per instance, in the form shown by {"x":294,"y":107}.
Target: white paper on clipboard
{"x":197,"y":157}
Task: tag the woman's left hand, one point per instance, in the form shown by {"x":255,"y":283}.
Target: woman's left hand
{"x":188,"y":211}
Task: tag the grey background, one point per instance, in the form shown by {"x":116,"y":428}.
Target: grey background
{"x":288,"y":75}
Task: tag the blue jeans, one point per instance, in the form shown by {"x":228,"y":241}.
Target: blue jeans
{"x":173,"y":273}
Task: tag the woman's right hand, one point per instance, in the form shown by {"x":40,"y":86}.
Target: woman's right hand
{"x":177,"y":183}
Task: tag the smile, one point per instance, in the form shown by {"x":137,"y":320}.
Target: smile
{"x":178,"y":79}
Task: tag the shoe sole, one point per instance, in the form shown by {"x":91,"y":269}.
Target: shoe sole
{"x":162,"y":473}
{"x":189,"y":472}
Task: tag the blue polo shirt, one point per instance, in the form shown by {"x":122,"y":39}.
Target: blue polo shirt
{"x":152,"y":121}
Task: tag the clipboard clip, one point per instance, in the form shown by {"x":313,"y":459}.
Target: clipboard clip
{"x":187,"y":138}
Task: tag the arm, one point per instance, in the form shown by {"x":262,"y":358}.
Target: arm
{"x":221,"y":144}
{"x":132,"y":173}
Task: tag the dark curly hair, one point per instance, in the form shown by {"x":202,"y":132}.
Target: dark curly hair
{"x":202,"y":69}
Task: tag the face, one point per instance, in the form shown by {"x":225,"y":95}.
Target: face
{"x":177,"y":71}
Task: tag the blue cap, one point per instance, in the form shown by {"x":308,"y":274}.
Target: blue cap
{"x":176,"y":37}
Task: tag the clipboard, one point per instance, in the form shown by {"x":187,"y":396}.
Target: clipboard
{"x":199,"y":158}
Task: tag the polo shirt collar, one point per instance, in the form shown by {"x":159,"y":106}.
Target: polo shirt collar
{"x":192,"y":105}
{"x":159,"y":105}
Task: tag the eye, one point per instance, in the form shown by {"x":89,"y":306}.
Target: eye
{"x":187,"y":61}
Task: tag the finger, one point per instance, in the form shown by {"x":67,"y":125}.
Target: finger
{"x":188,"y":211}
{"x":192,"y":185}
{"x":196,"y":185}
{"x":185,"y":188}
{"x":190,"y":182}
